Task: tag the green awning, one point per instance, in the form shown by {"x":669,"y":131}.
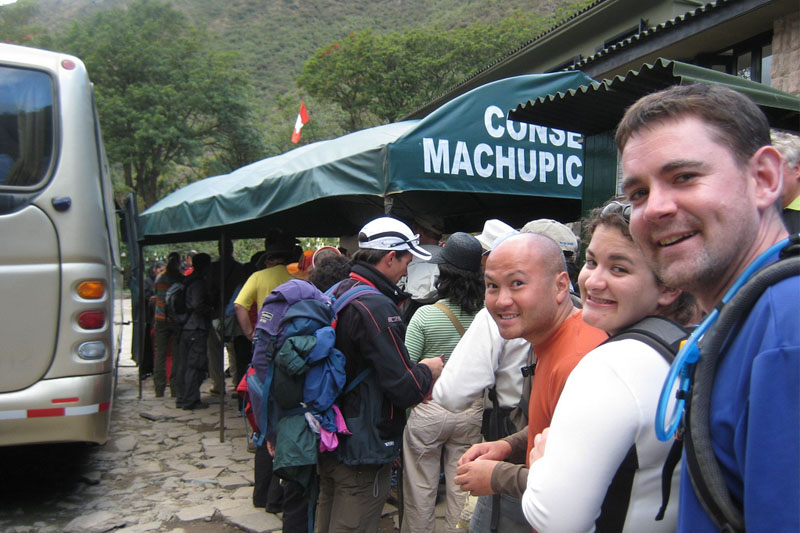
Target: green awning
{"x":465,"y":162}
{"x":598,"y":107}
{"x":329,"y":183}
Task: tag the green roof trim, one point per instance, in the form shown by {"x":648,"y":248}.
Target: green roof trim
{"x":598,"y":107}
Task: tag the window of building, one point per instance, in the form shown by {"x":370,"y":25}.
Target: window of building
{"x":750,"y":59}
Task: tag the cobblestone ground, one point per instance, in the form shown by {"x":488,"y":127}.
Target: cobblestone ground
{"x":163,"y":469}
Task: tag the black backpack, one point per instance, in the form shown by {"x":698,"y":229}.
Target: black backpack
{"x":702,"y":464}
{"x":665,"y":337}
{"x":175,"y":302}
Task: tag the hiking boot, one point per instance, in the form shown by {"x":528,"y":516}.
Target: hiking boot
{"x":196,"y":405}
{"x":251,"y":444}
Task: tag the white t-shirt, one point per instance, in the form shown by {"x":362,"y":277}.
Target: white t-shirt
{"x":422,"y":276}
{"x":481,"y":359}
{"x":607,"y":405}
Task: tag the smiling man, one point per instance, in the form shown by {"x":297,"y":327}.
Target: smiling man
{"x":527,"y":294}
{"x":704,"y":185}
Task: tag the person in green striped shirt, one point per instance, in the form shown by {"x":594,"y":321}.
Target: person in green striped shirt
{"x":433,"y":432}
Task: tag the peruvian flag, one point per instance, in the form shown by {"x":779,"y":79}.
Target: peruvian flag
{"x":302,"y":118}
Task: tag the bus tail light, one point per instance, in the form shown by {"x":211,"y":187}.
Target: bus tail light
{"x":91,"y":290}
{"x":92,"y":320}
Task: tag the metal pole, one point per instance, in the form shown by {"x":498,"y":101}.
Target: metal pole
{"x":223,"y":397}
{"x":141,"y":315}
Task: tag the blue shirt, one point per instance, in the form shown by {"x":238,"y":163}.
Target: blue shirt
{"x":755,"y":418}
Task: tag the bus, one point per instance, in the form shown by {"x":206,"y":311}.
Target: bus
{"x":60,"y":272}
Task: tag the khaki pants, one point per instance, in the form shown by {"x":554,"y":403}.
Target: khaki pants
{"x":434,"y":436}
{"x":351,"y":498}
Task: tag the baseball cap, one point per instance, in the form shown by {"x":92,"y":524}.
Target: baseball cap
{"x":557,"y":231}
{"x":492,"y":229}
{"x":461,"y":250}
{"x":387,"y":233}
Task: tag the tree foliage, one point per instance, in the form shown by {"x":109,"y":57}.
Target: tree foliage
{"x":17,"y":24}
{"x":164,"y":97}
{"x":378,"y":78}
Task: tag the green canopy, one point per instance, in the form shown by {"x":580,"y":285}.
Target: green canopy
{"x":465,"y":162}
{"x":598,"y":107}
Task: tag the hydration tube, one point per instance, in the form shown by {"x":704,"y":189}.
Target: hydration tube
{"x":682,"y":367}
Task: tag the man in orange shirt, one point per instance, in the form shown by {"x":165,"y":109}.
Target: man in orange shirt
{"x":527,"y":294}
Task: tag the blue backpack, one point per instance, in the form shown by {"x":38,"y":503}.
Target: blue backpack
{"x":296,"y":371}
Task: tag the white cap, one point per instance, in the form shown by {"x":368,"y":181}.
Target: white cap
{"x":492,"y":229}
{"x":387,"y":233}
{"x":557,"y":231}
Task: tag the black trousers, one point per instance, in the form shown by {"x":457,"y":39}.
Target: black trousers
{"x":193,"y":364}
{"x":270,"y":493}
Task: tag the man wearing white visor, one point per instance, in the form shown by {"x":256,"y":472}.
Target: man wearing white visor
{"x":382,"y":382}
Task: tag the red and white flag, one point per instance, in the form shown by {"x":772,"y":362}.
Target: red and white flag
{"x":302,"y":118}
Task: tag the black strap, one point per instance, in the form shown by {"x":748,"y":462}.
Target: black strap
{"x":494,"y":430}
{"x":664,"y":336}
{"x":618,"y":497}
{"x":661,"y":334}
{"x":673,"y":458}
{"x":704,"y":469}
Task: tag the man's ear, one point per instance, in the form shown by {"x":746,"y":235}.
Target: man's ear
{"x":667,"y":295}
{"x":562,"y":286}
{"x":767,"y":170}
{"x":389,"y":258}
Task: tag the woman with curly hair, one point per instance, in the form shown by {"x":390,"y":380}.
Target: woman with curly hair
{"x":598,"y":466}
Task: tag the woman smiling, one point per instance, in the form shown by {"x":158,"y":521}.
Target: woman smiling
{"x":599,"y":464}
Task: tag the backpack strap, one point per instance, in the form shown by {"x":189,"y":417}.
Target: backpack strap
{"x":673,"y":458}
{"x":661,"y":334}
{"x":453,"y":318}
{"x":704,"y":469}
{"x":360,"y":289}
{"x":340,"y":302}
{"x":618,"y":497}
{"x":357,"y":380}
{"x":665,"y":337}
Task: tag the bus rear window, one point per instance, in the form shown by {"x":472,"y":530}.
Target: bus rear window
{"x":26,"y":127}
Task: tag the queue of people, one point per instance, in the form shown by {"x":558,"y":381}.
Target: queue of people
{"x":513,"y":373}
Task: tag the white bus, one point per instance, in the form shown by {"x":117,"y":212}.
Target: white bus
{"x":60,"y":274}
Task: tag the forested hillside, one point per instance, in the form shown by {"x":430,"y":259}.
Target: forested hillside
{"x":356,"y":63}
{"x":275,"y":37}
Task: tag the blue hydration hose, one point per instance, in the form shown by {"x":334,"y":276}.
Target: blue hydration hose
{"x":683,"y":365}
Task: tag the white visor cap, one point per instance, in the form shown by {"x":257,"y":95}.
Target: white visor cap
{"x":387,"y":233}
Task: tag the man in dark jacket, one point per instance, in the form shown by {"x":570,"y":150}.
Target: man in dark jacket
{"x":356,"y":477}
{"x":193,"y":360}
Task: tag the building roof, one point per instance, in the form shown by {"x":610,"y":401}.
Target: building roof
{"x":598,"y":107}
{"x":706,"y":28}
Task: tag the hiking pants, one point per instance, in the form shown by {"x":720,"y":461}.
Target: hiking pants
{"x":215,"y":358}
{"x":165,"y":339}
{"x":192,"y":365}
{"x":351,"y":498}
{"x":267,"y":491}
{"x":434,"y":435}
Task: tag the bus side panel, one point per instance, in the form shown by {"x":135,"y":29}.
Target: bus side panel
{"x":29,"y":284}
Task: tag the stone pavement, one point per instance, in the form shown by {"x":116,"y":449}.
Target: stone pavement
{"x":166,"y":469}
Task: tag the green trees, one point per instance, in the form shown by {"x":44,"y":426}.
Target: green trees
{"x":378,"y":78}
{"x":164,"y":97}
